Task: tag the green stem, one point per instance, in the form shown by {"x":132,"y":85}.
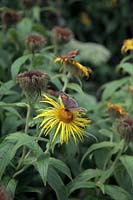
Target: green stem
{"x":117,"y":157}
{"x":27,"y":119}
{"x":26,"y":131}
{"x":66,"y":82}
{"x":55,"y":47}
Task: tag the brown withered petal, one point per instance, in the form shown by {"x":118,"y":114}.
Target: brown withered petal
{"x":62,"y":35}
{"x":125,"y":128}
{"x":10,"y":17}
{"x":35,"y":42}
{"x":70,"y":54}
{"x":33,"y":82}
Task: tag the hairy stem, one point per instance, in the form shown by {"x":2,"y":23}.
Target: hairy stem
{"x":66,"y":82}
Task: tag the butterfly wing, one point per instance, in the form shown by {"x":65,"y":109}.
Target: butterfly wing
{"x":70,"y":103}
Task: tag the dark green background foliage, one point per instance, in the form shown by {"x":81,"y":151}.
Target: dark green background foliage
{"x":100,"y":167}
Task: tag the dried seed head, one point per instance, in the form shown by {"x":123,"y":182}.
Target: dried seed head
{"x":29,"y":3}
{"x":61,"y":35}
{"x":35,"y":42}
{"x":33,"y":82}
{"x":125,"y":128}
{"x":10,"y":17}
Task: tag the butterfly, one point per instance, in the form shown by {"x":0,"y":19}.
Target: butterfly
{"x":70,"y":103}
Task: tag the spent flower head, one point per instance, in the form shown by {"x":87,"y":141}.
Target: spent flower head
{"x":127,"y":45}
{"x":35,"y":42}
{"x":68,"y":64}
{"x":33,"y":82}
{"x":10,"y":17}
{"x":116,"y":110}
{"x":66,"y":120}
{"x":125,"y":128}
{"x":61,"y":35}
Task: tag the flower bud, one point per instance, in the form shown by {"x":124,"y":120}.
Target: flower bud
{"x":125,"y":128}
{"x":33,"y":82}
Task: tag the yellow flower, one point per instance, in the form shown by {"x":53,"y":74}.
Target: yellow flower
{"x":66,"y":122}
{"x":116,"y":110}
{"x":127,"y":45}
{"x":73,"y":66}
{"x":84,"y":18}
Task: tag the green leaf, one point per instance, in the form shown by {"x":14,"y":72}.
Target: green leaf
{"x":61,"y":166}
{"x":11,"y":123}
{"x":95,"y":147}
{"x":11,"y":187}
{"x":9,"y":147}
{"x":42,"y":165}
{"x":106,"y":132}
{"x":75,"y":87}
{"x":127,"y":161}
{"x":81,"y":181}
{"x":88,"y":174}
{"x":22,"y":139}
{"x":36,"y":13}
{"x":106,"y":174}
{"x":111,"y":87}
{"x":116,"y":192}
{"x":13,"y":111}
{"x":21,"y":104}
{"x":126,"y":67}
{"x":30,"y":189}
{"x":24,"y":27}
{"x":15,"y":67}
{"x":85,"y":100}
{"x":6,"y":154}
{"x":5,"y":88}
{"x":79,"y":185}
{"x":56,"y":184}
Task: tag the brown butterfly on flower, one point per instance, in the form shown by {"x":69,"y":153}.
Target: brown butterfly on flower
{"x":69,"y":103}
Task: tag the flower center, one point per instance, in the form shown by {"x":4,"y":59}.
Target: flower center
{"x":65,"y":115}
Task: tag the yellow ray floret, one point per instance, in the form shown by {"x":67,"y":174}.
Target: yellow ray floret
{"x":116,"y":110}
{"x":79,"y":68}
{"x":127,"y":45}
{"x":66,"y":123}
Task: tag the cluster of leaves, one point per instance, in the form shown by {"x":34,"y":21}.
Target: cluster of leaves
{"x":99,"y":168}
